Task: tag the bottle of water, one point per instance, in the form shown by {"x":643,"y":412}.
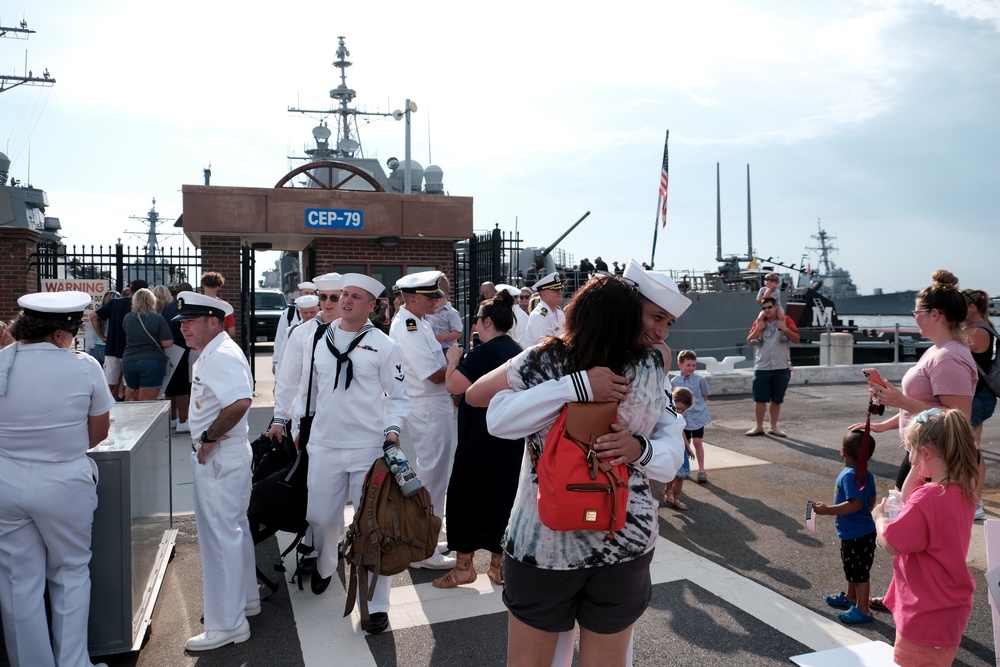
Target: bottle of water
{"x":893,"y":505}
{"x":400,"y":467}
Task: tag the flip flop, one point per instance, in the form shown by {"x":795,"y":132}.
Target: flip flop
{"x":878,"y":604}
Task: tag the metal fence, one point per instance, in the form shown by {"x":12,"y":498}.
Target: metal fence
{"x":117,"y":264}
{"x":490,"y":257}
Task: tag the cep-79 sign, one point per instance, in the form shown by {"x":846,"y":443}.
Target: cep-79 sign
{"x":334,"y":218}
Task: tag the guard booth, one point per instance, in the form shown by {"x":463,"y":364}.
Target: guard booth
{"x":382,"y":234}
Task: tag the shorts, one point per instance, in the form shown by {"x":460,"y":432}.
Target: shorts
{"x":685,"y":470}
{"x":770,"y":386}
{"x":112,"y":369}
{"x":180,"y":381}
{"x":857,"y":555}
{"x":907,"y":653}
{"x":983,"y":405}
{"x":696,"y":433}
{"x":605,"y":600}
{"x":144,"y":373}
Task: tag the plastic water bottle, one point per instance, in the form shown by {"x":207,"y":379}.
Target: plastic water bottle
{"x":893,"y":505}
{"x":401,"y":470}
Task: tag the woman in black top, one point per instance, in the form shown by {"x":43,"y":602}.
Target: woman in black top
{"x":484,"y":476}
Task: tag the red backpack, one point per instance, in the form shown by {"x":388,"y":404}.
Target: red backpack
{"x":577,"y":490}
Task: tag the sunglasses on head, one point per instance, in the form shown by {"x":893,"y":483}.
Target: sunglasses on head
{"x":332,"y":297}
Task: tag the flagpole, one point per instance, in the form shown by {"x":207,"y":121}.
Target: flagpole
{"x":661,"y":200}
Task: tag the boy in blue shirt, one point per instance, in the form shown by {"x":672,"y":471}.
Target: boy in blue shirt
{"x":697,"y":416}
{"x":856,"y":530}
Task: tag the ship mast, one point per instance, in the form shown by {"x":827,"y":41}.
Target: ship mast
{"x":152,"y":236}
{"x":824,"y":249}
{"x":348,"y":141}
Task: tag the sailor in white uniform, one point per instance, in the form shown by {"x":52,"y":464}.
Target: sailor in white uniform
{"x":54,"y":406}
{"x":519,"y":332}
{"x":289,"y":319}
{"x":516,"y":414}
{"x":547,"y":318}
{"x":306,"y":307}
{"x":221,"y":391}
{"x":362,"y":402}
{"x":433,"y":413}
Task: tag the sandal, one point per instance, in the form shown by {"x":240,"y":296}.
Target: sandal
{"x":878,"y":604}
{"x":679,"y":504}
{"x":494,"y":572}
{"x":668,"y":496}
{"x":463,"y":563}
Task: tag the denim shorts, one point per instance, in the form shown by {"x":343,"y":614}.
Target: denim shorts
{"x":144,"y":373}
{"x":770,"y":386}
{"x":983,"y":405}
{"x":604,"y":599}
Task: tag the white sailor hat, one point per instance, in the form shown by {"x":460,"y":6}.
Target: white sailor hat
{"x":307,"y":301}
{"x":192,"y":304}
{"x":510,"y":289}
{"x":422,"y":282}
{"x":328,"y":282}
{"x":551,"y":281}
{"x":307,"y":285}
{"x":657,"y":287}
{"x":367,"y":283}
{"x":65,"y":307}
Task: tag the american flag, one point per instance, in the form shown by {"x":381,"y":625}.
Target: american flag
{"x":664,"y":178}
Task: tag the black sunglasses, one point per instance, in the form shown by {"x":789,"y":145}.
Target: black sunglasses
{"x":332,"y":297}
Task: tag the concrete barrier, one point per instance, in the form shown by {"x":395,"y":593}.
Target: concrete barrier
{"x":836,"y":349}
{"x":740,"y":381}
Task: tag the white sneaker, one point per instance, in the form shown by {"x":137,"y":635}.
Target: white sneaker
{"x":211,"y":639}
{"x":173,"y":423}
{"x":183,"y":427}
{"x":980,"y":512}
{"x":435,"y":562}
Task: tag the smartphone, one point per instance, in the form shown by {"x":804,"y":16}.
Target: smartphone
{"x":872,"y":376}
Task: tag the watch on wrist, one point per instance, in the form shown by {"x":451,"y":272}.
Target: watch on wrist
{"x":205,"y":439}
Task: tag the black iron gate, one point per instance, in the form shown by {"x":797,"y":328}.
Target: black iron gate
{"x":490,"y":257}
{"x":116,"y":264}
{"x":248,"y":336}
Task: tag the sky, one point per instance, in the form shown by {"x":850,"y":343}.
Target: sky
{"x":876,"y":119}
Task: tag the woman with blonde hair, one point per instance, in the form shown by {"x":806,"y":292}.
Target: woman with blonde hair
{"x":144,"y":363}
{"x":163,"y":297}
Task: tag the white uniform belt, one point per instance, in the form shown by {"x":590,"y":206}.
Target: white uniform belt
{"x":228,"y":442}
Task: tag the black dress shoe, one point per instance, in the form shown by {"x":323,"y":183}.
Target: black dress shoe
{"x":319,"y":584}
{"x":377,"y":623}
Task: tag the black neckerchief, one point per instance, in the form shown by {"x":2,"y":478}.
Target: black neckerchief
{"x":345,"y":356}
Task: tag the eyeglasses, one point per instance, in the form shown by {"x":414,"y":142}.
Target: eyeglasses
{"x":332,"y":297}
{"x":921,"y":310}
{"x":477,"y":318}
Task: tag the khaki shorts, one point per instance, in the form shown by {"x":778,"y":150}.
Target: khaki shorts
{"x":112,"y":369}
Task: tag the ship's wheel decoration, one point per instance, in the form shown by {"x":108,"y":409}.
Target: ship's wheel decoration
{"x":315,"y":172}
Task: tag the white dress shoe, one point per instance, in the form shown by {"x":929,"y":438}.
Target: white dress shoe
{"x":183,"y":427}
{"x":252,"y":609}
{"x":435,"y":562}
{"x":211,"y":639}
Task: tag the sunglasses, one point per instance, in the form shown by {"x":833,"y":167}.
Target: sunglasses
{"x":332,"y":297}
{"x":767,"y":308}
{"x":524,"y":297}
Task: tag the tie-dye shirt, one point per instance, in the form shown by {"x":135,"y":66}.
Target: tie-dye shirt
{"x":532,"y":543}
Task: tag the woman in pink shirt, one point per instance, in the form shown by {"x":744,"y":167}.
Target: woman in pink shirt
{"x":931,"y":591}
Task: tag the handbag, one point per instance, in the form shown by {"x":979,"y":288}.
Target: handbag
{"x":576,"y":489}
{"x":172,"y":353}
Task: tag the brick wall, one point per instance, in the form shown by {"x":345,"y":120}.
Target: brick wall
{"x":17,"y":276}
{"x":222,"y":254}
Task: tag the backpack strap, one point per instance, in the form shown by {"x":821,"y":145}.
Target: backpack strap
{"x":290,"y":314}
{"x":320,"y":331}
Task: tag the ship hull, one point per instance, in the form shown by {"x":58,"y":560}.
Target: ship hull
{"x":893,"y":303}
